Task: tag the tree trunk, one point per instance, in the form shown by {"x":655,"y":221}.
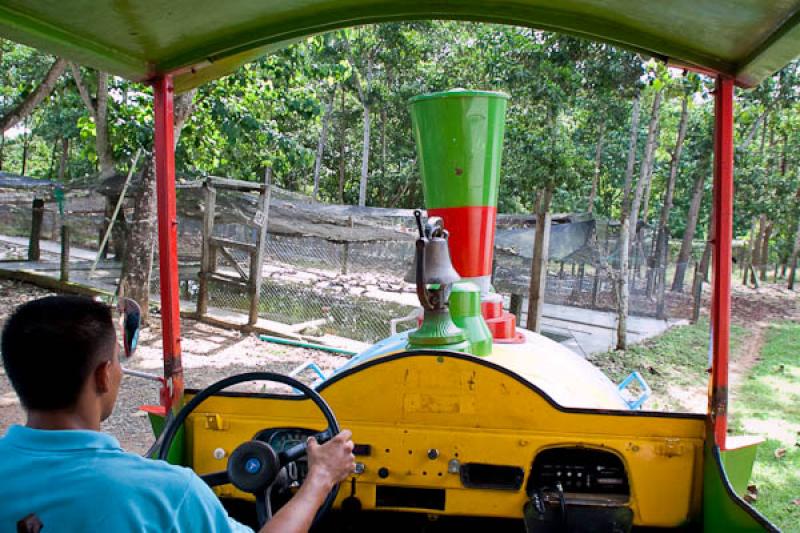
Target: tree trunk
{"x":662,"y":236}
{"x":137,"y":265}
{"x":383,"y":141}
{"x":793,"y":258}
{"x":362,"y":186}
{"x":700,"y":276}
{"x":748,"y":255}
{"x":26,"y":141}
{"x":644,"y":214}
{"x":62,"y":163}
{"x":634,"y":135}
{"x":342,"y":140}
{"x":753,"y":130}
{"x":539,"y":261}
{"x":323,"y":138}
{"x":98,"y":109}
{"x":691,"y":226}
{"x":22,"y":110}
{"x":763,"y":252}
{"x":647,"y":161}
{"x":183,"y":109}
{"x":621,"y":285}
{"x":52,"y":166}
{"x":598,"y":160}
{"x":2,"y":148}
{"x":105,"y":154}
{"x":661,"y":273}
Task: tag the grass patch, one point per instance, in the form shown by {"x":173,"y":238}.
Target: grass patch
{"x":674,"y":365}
{"x":768,"y":404}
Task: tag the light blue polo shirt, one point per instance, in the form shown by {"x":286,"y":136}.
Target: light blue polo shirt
{"x":76,"y":480}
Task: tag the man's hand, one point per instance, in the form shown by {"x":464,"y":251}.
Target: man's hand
{"x":328,"y":464}
{"x":333,"y":461}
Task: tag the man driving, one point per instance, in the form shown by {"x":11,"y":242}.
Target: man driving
{"x":62,"y":357}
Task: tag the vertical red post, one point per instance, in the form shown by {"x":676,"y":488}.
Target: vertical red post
{"x":164,"y":147}
{"x":722,"y":213}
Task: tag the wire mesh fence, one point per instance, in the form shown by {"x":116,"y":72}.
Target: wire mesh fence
{"x":354,"y":289}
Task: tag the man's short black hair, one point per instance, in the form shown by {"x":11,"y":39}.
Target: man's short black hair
{"x":51,"y":345}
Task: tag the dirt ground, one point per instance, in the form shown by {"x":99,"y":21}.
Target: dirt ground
{"x":209,"y":354}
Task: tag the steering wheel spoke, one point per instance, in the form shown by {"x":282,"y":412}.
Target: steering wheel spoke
{"x":215,"y":479}
{"x":300,"y":450}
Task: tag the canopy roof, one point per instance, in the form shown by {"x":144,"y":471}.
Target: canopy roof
{"x":198,"y":40}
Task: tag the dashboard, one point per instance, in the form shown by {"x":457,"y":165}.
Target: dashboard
{"x":562,"y":483}
{"x":283,"y":438}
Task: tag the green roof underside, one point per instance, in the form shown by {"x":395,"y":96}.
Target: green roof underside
{"x":199,"y":40}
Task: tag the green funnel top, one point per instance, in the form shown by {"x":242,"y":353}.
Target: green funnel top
{"x":459,"y":136}
{"x":451,"y":93}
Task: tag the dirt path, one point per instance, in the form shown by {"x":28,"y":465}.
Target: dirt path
{"x":747,"y":355}
{"x":755,"y":309}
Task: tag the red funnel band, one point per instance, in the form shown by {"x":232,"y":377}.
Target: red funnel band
{"x":471,"y":237}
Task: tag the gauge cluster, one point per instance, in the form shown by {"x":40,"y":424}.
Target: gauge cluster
{"x":280,"y":440}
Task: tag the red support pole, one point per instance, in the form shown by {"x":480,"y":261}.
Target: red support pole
{"x":722,"y":214}
{"x":172,"y":394}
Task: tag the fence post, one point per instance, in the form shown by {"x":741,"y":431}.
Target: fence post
{"x":697,"y":291}
{"x":64,"y":253}
{"x":37,"y":214}
{"x":208,"y":261}
{"x":257,"y":258}
{"x":346,"y":250}
{"x":515,"y":306}
{"x":596,"y":286}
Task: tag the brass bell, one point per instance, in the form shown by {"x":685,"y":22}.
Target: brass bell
{"x":438,"y":267}
{"x":432,"y":262}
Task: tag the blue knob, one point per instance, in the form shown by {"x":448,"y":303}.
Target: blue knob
{"x":252,"y":466}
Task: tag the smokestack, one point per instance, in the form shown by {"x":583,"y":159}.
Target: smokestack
{"x":459,"y":137}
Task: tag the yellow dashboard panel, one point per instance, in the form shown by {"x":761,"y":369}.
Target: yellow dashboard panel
{"x":421,"y":416}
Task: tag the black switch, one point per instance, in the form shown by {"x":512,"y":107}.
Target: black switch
{"x":362,"y":450}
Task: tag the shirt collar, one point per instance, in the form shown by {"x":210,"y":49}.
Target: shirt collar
{"x":59,"y":439}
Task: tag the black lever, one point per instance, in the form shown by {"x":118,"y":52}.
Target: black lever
{"x":300,"y":450}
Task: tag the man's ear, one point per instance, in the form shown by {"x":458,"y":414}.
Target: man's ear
{"x":102,"y":377}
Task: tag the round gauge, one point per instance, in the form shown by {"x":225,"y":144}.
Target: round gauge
{"x":282,"y":440}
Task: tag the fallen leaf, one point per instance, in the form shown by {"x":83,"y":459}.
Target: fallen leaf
{"x":780,"y":453}
{"x":796,"y":502}
{"x":752,"y":487}
{"x":750,"y":497}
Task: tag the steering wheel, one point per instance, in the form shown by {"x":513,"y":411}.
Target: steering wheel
{"x":254,"y":465}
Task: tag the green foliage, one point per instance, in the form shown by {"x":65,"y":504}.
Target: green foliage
{"x":770,"y":398}
{"x":566,"y":93}
{"x":675,"y":360}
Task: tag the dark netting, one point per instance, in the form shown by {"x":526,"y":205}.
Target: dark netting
{"x":340,"y":269}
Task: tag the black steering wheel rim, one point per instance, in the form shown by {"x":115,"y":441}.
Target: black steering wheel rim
{"x":333,"y":425}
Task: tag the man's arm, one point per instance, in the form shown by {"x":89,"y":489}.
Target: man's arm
{"x":328,"y":464}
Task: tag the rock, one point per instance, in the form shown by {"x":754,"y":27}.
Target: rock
{"x":312,"y":331}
